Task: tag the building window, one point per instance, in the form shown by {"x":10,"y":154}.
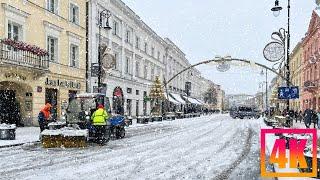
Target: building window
{"x":145,"y":71}
{"x":158,"y":57}
{"x":158,"y":72}
{"x":137,"y":92}
{"x":146,"y":48}
{"x":116,"y":57}
{"x":74,"y":13}
{"x":52,"y":44}
{"x":127,"y":66}
{"x":137,"y":69}
{"x":129,"y":104}
{"x":74,"y":56}
{"x":115,"y":28}
{"x":137,"y":42}
{"x":137,"y":108}
{"x":129,"y":90}
{"x":14,"y":31}
{"x":52,"y":6}
{"x":152,"y":73}
{"x":128,"y":36}
{"x":152,"y":51}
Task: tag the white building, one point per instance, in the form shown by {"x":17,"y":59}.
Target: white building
{"x":238,"y":99}
{"x":140,"y":55}
{"x":138,"y":50}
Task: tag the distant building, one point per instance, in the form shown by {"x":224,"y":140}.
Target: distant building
{"x":274,"y":102}
{"x":296,"y":59}
{"x":239,"y":99}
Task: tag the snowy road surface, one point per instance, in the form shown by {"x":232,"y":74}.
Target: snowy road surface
{"x":210,"y":147}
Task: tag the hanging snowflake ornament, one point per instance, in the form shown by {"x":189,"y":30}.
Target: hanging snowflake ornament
{"x":223,"y":66}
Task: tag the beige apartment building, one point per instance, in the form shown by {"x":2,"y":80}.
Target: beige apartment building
{"x":42,"y":57}
{"x":295,"y":72}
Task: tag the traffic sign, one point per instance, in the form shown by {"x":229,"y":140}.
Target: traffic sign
{"x":288,"y":92}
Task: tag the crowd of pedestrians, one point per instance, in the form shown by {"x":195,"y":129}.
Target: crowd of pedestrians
{"x":309,"y":117}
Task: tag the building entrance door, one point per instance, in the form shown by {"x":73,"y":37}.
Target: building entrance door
{"x":52,"y":98}
{"x":8,"y":107}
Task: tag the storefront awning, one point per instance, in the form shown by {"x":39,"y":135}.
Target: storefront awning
{"x":171,"y":99}
{"x":201,"y":102}
{"x":178,"y":98}
{"x":192,"y":100}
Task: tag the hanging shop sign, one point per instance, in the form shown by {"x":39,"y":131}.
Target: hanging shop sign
{"x":63,"y":83}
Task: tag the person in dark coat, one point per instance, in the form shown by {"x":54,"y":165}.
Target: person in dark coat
{"x":300,"y":116}
{"x":314,"y":118}
{"x":44,"y":116}
{"x":307,"y":117}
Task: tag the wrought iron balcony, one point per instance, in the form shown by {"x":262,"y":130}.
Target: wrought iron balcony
{"x":20,"y":54}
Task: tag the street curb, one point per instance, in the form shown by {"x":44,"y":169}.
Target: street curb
{"x":19,"y":144}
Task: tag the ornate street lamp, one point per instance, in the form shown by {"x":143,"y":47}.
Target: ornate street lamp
{"x":105,"y":14}
{"x":276,"y":11}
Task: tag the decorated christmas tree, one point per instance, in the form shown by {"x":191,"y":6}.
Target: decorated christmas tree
{"x":156,"y":96}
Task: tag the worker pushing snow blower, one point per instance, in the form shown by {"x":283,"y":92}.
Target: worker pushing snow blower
{"x":90,"y":111}
{"x":99,"y":121}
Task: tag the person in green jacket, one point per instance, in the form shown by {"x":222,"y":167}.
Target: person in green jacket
{"x":99,"y":121}
{"x":100,"y":116}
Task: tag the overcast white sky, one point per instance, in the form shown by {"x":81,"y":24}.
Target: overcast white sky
{"x":240,"y":28}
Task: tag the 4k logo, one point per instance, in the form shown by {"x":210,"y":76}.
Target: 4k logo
{"x":292,"y":158}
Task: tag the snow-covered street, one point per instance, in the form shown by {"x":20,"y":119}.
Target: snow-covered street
{"x":209,"y":147}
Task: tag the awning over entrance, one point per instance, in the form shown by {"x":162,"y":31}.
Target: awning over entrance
{"x":192,"y":100}
{"x":200,"y":101}
{"x":178,"y":98}
{"x":171,"y":99}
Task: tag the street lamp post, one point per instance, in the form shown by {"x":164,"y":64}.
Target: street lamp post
{"x":266,"y":98}
{"x":276,"y":11}
{"x":102,"y":15}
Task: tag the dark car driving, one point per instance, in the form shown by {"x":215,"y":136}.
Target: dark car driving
{"x":242,"y":112}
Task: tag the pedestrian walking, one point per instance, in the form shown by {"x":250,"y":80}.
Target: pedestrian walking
{"x":99,"y":118}
{"x":318,"y":115}
{"x":44,"y":116}
{"x":300,"y":116}
{"x":314,"y":118}
{"x":307,"y":117}
{"x":296,"y":116}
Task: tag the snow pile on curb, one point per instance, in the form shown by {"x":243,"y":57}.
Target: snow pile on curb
{"x":66,"y":131}
{"x":7,"y":126}
{"x":58,"y":123}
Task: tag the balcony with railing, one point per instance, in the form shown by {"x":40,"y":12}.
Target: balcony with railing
{"x":310,"y":85}
{"x":16,"y":53}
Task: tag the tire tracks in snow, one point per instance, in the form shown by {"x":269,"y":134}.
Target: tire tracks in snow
{"x":189,"y":151}
{"x":225,"y":174}
{"x":207,"y":158}
{"x":73,"y":159}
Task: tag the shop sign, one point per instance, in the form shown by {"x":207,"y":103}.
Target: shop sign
{"x":63,"y":83}
{"x":15,"y":75}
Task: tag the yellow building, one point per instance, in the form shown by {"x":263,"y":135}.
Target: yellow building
{"x":30,"y":76}
{"x":295,"y":73}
